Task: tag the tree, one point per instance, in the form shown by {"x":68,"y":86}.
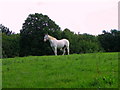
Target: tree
{"x":81,"y":43}
{"x":10,"y":42}
{"x":88,"y":43}
{"x":67,"y":34}
{"x":110,"y":40}
{"x":5,"y":30}
{"x":10,"y":45}
{"x":32,"y":35}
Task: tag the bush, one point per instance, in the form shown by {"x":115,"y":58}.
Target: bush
{"x":10,"y":45}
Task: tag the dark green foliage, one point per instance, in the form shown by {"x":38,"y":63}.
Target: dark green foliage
{"x":10,"y":42}
{"x":32,"y":34}
{"x":110,"y":41}
{"x":5,"y":30}
{"x":37,"y":25}
{"x":30,"y":41}
{"x":87,"y":44}
{"x":10,"y":45}
{"x":82,"y":43}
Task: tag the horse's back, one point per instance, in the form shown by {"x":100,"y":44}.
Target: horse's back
{"x":63,"y":42}
{"x":66,"y":42}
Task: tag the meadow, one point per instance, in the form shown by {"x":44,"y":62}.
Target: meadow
{"x":93,"y":70}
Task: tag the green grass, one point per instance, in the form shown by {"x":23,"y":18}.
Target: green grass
{"x":95,"y":70}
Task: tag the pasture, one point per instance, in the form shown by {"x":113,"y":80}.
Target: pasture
{"x":93,"y":70}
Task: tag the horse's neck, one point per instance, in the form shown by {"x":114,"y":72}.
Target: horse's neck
{"x":51,"y":38}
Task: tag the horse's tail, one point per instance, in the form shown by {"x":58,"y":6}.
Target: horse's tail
{"x":67,"y":46}
{"x":67,"y":43}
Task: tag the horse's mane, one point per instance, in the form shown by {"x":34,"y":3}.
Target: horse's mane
{"x":51,"y":37}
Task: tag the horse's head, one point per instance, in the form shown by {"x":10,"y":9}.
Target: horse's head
{"x":46,"y":37}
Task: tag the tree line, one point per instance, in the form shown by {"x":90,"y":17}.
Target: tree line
{"x":30,"y":39}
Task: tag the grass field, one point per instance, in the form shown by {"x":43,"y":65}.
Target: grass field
{"x":94,"y":70}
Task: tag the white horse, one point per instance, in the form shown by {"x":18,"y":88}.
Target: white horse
{"x":60,"y":44}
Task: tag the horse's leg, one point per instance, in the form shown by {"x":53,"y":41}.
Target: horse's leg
{"x":63,"y":51}
{"x":55,"y":50}
{"x":68,"y":49}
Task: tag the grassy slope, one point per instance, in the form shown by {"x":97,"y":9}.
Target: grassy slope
{"x":73,"y":71}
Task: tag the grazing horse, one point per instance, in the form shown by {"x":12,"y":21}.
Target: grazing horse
{"x":60,"y":44}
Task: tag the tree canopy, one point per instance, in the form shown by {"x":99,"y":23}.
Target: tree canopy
{"x":5,"y":30}
{"x":10,"y":42}
{"x":30,"y":40}
{"x":110,"y":41}
{"x":32,"y":33}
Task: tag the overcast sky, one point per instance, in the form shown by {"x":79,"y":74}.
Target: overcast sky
{"x":84,"y":16}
